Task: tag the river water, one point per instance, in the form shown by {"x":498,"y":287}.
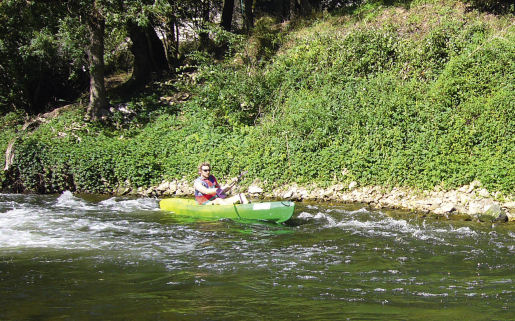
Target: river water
{"x":66,"y":257}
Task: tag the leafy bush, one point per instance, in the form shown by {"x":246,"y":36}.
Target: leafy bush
{"x":362,"y":100}
{"x":266,"y":38}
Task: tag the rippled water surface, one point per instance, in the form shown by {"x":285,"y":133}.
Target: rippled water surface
{"x":77,"y":258}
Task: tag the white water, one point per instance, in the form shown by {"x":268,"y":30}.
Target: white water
{"x":377,"y":224}
{"x":67,"y":222}
{"x":326,"y":257}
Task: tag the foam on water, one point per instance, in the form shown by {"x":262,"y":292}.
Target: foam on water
{"x":305,"y":216}
{"x":377,"y":224}
{"x":67,"y":222}
{"x":334,"y":254}
{"x":123,"y":205}
{"x":67,"y":200}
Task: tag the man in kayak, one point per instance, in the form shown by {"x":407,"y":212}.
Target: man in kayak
{"x":209,"y":192}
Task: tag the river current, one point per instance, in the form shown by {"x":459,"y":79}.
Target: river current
{"x":68,"y":257}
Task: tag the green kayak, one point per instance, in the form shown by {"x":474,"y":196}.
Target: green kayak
{"x":268,"y":211}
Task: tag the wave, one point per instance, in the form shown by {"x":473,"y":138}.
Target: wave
{"x":378,"y":224}
{"x":67,"y":221}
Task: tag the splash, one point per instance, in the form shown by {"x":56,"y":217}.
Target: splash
{"x":67,"y":200}
{"x":378,"y":224}
{"x":123,"y":205}
{"x":69,"y":222}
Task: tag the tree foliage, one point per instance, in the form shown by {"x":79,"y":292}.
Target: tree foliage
{"x":35,"y":69}
{"x":418,"y":97}
{"x":49,"y":49}
{"x":415,"y":100}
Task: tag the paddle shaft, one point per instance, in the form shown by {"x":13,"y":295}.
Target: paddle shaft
{"x":222,"y":191}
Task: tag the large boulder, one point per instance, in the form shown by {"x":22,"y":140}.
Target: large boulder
{"x":493,"y":212}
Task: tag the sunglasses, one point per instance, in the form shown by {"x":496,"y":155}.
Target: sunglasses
{"x":206,"y":170}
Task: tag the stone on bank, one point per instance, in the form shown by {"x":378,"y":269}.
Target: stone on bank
{"x":473,"y":201}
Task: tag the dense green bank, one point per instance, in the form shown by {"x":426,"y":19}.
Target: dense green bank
{"x":392,"y":96}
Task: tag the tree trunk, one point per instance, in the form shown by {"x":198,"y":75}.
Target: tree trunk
{"x":299,"y":8}
{"x":172,"y":46}
{"x":156,"y":50}
{"x":227,"y":12}
{"x":305,"y":7}
{"x":203,"y":35}
{"x":148,"y":51}
{"x":293,"y":9}
{"x":97,"y":94}
{"x":249,"y":14}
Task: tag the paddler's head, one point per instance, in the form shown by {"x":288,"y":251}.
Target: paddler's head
{"x":204,"y":170}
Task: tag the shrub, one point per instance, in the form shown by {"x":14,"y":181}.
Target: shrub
{"x":366,"y":101}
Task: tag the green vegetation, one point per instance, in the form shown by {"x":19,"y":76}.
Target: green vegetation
{"x":383,"y":95}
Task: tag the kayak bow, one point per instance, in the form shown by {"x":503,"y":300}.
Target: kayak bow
{"x":267,"y":211}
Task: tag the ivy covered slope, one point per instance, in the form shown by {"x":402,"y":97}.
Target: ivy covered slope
{"x":389,"y":96}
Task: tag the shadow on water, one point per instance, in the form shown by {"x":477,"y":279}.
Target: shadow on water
{"x":239,"y":226}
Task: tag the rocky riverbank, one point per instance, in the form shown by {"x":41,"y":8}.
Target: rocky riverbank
{"x":471,"y":201}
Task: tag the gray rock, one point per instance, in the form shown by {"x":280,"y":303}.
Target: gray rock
{"x":445,"y":208}
{"x":163,"y":186}
{"x":483,"y":193}
{"x":510,"y":205}
{"x":338,"y":187}
{"x":288,"y":194}
{"x":434,"y":202}
{"x":122,"y":190}
{"x":172,"y":188}
{"x":503,"y":217}
{"x":475,"y":208}
{"x":464,"y":189}
{"x":493,"y":210}
{"x":253,"y":189}
{"x":473,"y":185}
{"x":302,"y":194}
{"x":451,"y":197}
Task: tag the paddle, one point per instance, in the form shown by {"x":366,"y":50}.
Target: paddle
{"x":221,"y":192}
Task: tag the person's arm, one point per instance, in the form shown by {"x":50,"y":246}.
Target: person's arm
{"x":230,"y":184}
{"x":204,"y":190}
